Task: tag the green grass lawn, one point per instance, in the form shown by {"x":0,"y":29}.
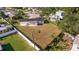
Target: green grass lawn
{"x":17,"y":43}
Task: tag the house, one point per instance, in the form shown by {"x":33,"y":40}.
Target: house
{"x":57,"y":16}
{"x":6,"y":30}
{"x":2,"y":27}
{"x":32,"y":22}
{"x":2,"y":8}
{"x":32,"y":13}
{"x":9,"y":14}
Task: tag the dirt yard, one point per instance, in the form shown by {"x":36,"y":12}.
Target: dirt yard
{"x":42,"y":34}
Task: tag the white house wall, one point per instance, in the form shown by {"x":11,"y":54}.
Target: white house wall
{"x":27,"y":24}
{"x":32,"y":24}
{"x":23,"y":23}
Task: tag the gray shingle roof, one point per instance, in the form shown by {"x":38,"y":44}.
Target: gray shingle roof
{"x":34,"y":19}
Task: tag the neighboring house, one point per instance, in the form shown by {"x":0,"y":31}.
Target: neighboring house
{"x":32,"y":22}
{"x":8,"y":13}
{"x":2,"y":8}
{"x":2,"y":27}
{"x":6,"y":30}
{"x":5,"y":27}
{"x":57,"y":16}
{"x":32,"y":13}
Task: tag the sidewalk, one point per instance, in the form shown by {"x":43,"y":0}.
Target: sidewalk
{"x":74,"y":48}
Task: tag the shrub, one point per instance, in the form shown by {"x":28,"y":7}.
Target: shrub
{"x":46,"y":21}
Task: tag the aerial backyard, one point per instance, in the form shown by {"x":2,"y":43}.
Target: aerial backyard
{"x":42,"y":35}
{"x":47,"y":29}
{"x":17,"y":43}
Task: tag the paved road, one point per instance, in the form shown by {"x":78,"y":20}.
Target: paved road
{"x":74,"y":48}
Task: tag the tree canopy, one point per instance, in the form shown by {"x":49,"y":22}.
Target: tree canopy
{"x":70,"y":24}
{"x":20,"y":14}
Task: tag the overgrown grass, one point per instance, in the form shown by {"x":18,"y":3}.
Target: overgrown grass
{"x":42,"y":33}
